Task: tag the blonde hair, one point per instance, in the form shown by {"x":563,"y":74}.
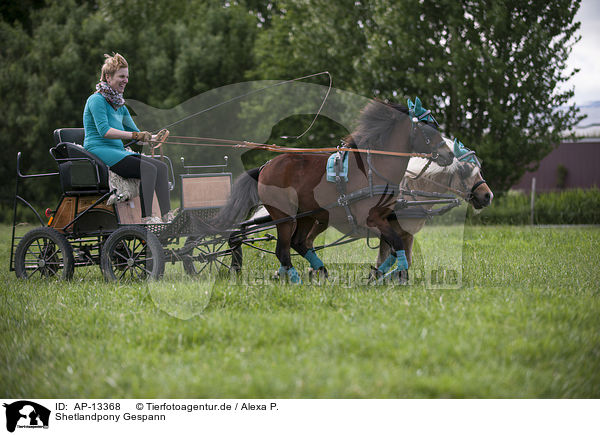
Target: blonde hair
{"x":111,"y":65}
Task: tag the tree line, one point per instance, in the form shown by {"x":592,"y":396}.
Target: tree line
{"x":492,"y":71}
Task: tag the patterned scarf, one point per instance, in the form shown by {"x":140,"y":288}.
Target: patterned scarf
{"x":112,"y":96}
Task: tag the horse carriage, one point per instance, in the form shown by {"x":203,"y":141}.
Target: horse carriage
{"x":86,"y":228}
{"x":212,"y":225}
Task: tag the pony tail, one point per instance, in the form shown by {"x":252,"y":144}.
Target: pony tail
{"x":244,"y":197}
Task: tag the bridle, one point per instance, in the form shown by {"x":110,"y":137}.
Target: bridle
{"x":467,"y":196}
{"x":471,"y":155}
{"x":471,"y":195}
{"x":434,"y":150}
{"x":416,"y":124}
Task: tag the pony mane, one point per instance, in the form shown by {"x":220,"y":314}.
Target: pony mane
{"x":376,"y":123}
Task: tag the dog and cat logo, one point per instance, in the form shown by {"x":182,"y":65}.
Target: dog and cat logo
{"x":26,"y":415}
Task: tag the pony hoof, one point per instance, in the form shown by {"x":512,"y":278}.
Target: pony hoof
{"x":399,"y":277}
{"x":375,"y":275}
{"x":318,"y":275}
{"x":290,"y":276}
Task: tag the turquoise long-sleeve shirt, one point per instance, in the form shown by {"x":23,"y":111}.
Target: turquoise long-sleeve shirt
{"x":98,"y":117}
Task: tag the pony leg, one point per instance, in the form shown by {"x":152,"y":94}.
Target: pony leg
{"x":385,"y":249}
{"x":300,"y":243}
{"x":282,"y":250}
{"x":378,"y":218}
{"x":317,"y":228}
{"x":407,"y":240}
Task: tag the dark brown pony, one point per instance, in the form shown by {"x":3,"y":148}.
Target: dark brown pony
{"x":295,"y":192}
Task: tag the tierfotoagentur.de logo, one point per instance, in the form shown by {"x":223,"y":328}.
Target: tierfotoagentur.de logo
{"x":24,"y":414}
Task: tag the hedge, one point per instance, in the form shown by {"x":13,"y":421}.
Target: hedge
{"x":568,"y":207}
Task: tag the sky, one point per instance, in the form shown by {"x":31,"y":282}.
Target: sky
{"x":586,"y":54}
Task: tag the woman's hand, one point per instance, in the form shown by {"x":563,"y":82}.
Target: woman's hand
{"x":141,"y":136}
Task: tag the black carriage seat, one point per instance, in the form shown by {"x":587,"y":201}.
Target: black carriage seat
{"x":81,"y":172}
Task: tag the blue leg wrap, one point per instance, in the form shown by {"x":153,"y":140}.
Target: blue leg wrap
{"x":313,"y":259}
{"x":294,"y":277}
{"x":291,"y":273}
{"x":387,"y":264}
{"x":402,"y":263}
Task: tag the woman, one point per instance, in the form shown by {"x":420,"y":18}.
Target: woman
{"x":107,"y":121}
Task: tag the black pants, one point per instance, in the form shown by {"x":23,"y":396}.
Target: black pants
{"x":153,"y":176}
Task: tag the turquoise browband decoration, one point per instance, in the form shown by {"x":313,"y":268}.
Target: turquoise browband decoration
{"x":416,"y":110}
{"x":464,"y":154}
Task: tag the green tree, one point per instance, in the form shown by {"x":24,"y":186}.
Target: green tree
{"x":493,"y":71}
{"x":47,"y":70}
{"x":44,"y":80}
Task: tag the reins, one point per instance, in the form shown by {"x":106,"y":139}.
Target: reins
{"x":214,"y":142}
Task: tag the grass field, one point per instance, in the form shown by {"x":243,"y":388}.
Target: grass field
{"x":525,"y":323}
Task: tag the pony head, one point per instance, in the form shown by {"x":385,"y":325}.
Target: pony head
{"x":378,"y":124}
{"x":463,"y":175}
{"x":469,"y":179}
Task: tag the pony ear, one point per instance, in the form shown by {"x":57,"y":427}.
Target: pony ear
{"x":458,"y":150}
{"x":418,"y":106}
{"x":410,"y":104}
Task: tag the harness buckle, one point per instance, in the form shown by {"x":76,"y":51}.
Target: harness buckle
{"x":400,"y":204}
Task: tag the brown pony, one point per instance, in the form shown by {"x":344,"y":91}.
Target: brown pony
{"x":302,"y":203}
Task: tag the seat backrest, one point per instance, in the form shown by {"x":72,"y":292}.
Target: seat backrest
{"x":79,"y":174}
{"x":73,"y":135}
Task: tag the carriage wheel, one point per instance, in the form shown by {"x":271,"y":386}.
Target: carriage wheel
{"x":46,"y":253}
{"x":213,"y":257}
{"x":132,"y":253}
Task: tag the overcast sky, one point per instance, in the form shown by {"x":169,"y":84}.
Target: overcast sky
{"x":586,"y":54}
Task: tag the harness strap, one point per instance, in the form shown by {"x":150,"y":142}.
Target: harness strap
{"x":458,"y":192}
{"x":365,"y":192}
{"x":370,"y":173}
{"x":424,"y":169}
{"x":379,"y":174}
{"x":340,"y":184}
{"x":471,"y":194}
{"x":402,"y":210}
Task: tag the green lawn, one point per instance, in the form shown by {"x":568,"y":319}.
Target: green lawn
{"x":525,"y":323}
